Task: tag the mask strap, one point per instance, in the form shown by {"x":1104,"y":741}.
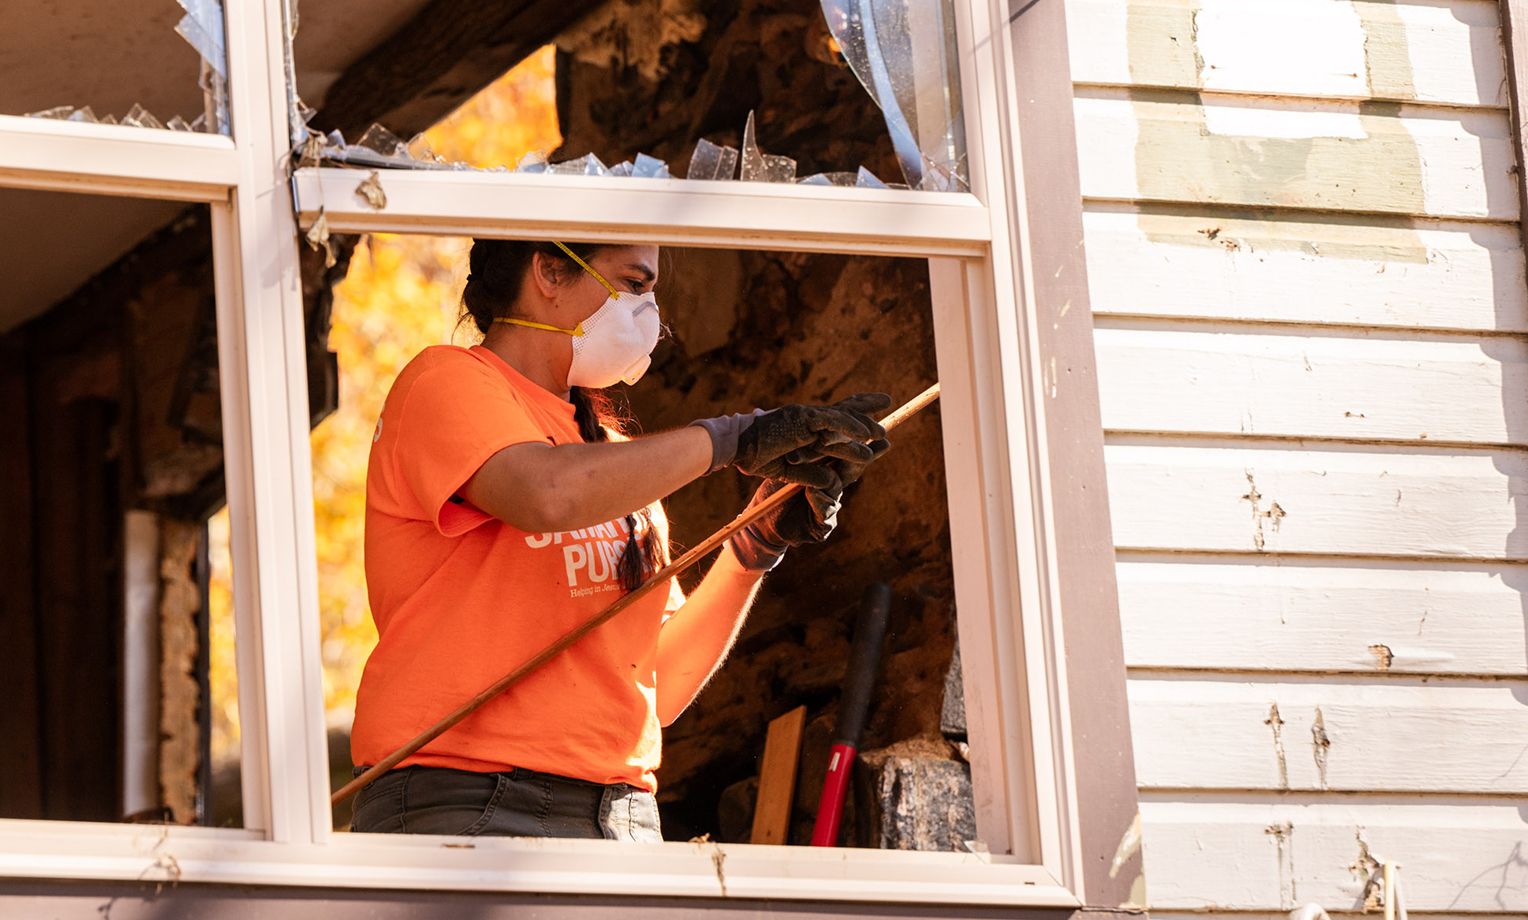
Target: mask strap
{"x":576,"y":331}
{"x":597,"y":276}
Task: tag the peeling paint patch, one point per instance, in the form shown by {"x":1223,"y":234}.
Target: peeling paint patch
{"x":1129,"y":845}
{"x":1277,"y":724}
{"x":1321,"y":745}
{"x":1281,"y":833}
{"x":1273,"y":516}
{"x":1382,"y":656}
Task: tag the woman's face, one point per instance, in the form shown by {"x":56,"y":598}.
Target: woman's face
{"x":629,"y":269}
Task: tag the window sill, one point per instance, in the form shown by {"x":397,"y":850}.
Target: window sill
{"x":62,"y":850}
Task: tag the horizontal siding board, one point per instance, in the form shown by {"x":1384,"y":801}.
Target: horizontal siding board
{"x":1255,"y":614}
{"x":1292,"y":47}
{"x":1317,"y":734}
{"x":1318,"y":386}
{"x":1458,"y":503}
{"x":1279,"y":851}
{"x":1329,"y":156}
{"x":1238,"y":266}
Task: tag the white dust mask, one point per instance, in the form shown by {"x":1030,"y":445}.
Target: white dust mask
{"x":617,"y":342}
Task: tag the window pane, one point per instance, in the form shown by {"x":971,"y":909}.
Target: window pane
{"x":110,"y":469}
{"x":649,"y":89}
{"x":161,"y":66}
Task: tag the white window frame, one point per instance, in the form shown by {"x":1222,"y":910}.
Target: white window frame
{"x":994,"y":436}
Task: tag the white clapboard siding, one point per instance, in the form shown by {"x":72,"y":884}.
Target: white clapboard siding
{"x":1250,"y":613}
{"x":1326,"y":733}
{"x":1437,"y":52}
{"x":1293,"y":154}
{"x":1321,"y":386}
{"x":1459,"y":503}
{"x":1201,"y":265}
{"x":1277,"y":852}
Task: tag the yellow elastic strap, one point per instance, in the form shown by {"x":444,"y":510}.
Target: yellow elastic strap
{"x":597,"y":276}
{"x":576,"y":331}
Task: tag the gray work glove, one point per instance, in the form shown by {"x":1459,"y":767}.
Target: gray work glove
{"x":809,"y":516}
{"x":788,"y":443}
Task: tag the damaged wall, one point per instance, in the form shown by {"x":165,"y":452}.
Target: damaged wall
{"x":763,"y":329}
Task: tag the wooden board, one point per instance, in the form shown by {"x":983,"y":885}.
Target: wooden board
{"x":1340,"y":501}
{"x":1252,"y":613}
{"x":1213,"y":262}
{"x":1275,"y":851}
{"x":1353,"y":386}
{"x":777,"y":778}
{"x":1444,"y":52}
{"x":1296,"y":154}
{"x":1363,"y":734}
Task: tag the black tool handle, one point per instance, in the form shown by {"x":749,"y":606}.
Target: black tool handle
{"x":864,"y":662}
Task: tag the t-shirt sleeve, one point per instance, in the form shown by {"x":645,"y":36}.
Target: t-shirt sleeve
{"x":455,"y":416}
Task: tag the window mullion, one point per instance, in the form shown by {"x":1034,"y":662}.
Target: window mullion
{"x":264,"y":362}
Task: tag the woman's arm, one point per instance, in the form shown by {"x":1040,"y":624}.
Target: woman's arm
{"x":539,"y":488}
{"x":697,"y":638}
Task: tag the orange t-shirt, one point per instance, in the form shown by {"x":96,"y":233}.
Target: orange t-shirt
{"x":461,"y":598}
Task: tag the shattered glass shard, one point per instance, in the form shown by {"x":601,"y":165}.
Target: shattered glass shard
{"x":779,"y":169}
{"x":762,"y":167}
{"x":84,"y":113}
{"x":704,"y":160}
{"x":621,"y":170}
{"x":140,"y":117}
{"x":753,"y":159}
{"x":418,"y":147}
{"x":176,"y":123}
{"x":60,"y":112}
{"x":866,"y":179}
{"x":903,"y":52}
{"x":726,"y":166}
{"x":305,"y":112}
{"x":586,"y":165}
{"x":380,"y":140}
{"x":202,"y":28}
{"x":199,"y":123}
{"x":845,"y":179}
{"x":647,"y":167}
{"x":109,"y":120}
{"x":533,"y":162}
{"x":335,"y":139}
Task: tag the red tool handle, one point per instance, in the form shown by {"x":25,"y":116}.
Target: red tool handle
{"x":853,"y":708}
{"x":834,"y":788}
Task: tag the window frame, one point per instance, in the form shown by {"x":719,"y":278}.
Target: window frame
{"x":995,"y":423}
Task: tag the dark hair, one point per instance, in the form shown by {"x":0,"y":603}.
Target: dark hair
{"x":496,"y":274}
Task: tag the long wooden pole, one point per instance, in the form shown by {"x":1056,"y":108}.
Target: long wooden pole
{"x":662,"y":576}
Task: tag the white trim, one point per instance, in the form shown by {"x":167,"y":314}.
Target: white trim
{"x":44,"y":849}
{"x":746,"y":215}
{"x":67,"y":156}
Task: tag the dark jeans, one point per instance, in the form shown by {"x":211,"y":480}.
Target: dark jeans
{"x":519,"y":803}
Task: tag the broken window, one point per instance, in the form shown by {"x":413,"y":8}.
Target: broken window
{"x":81,"y":61}
{"x":747,"y":328}
{"x":630,"y":77}
{"x":659,"y":90}
{"x":110,"y":471}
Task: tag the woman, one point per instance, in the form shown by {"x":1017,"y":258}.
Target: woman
{"x":503,"y":508}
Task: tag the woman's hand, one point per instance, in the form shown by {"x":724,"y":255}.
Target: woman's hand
{"x":788,"y":443}
{"x":809,"y":516}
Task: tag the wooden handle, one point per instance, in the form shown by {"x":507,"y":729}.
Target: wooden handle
{"x":661,"y":577}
